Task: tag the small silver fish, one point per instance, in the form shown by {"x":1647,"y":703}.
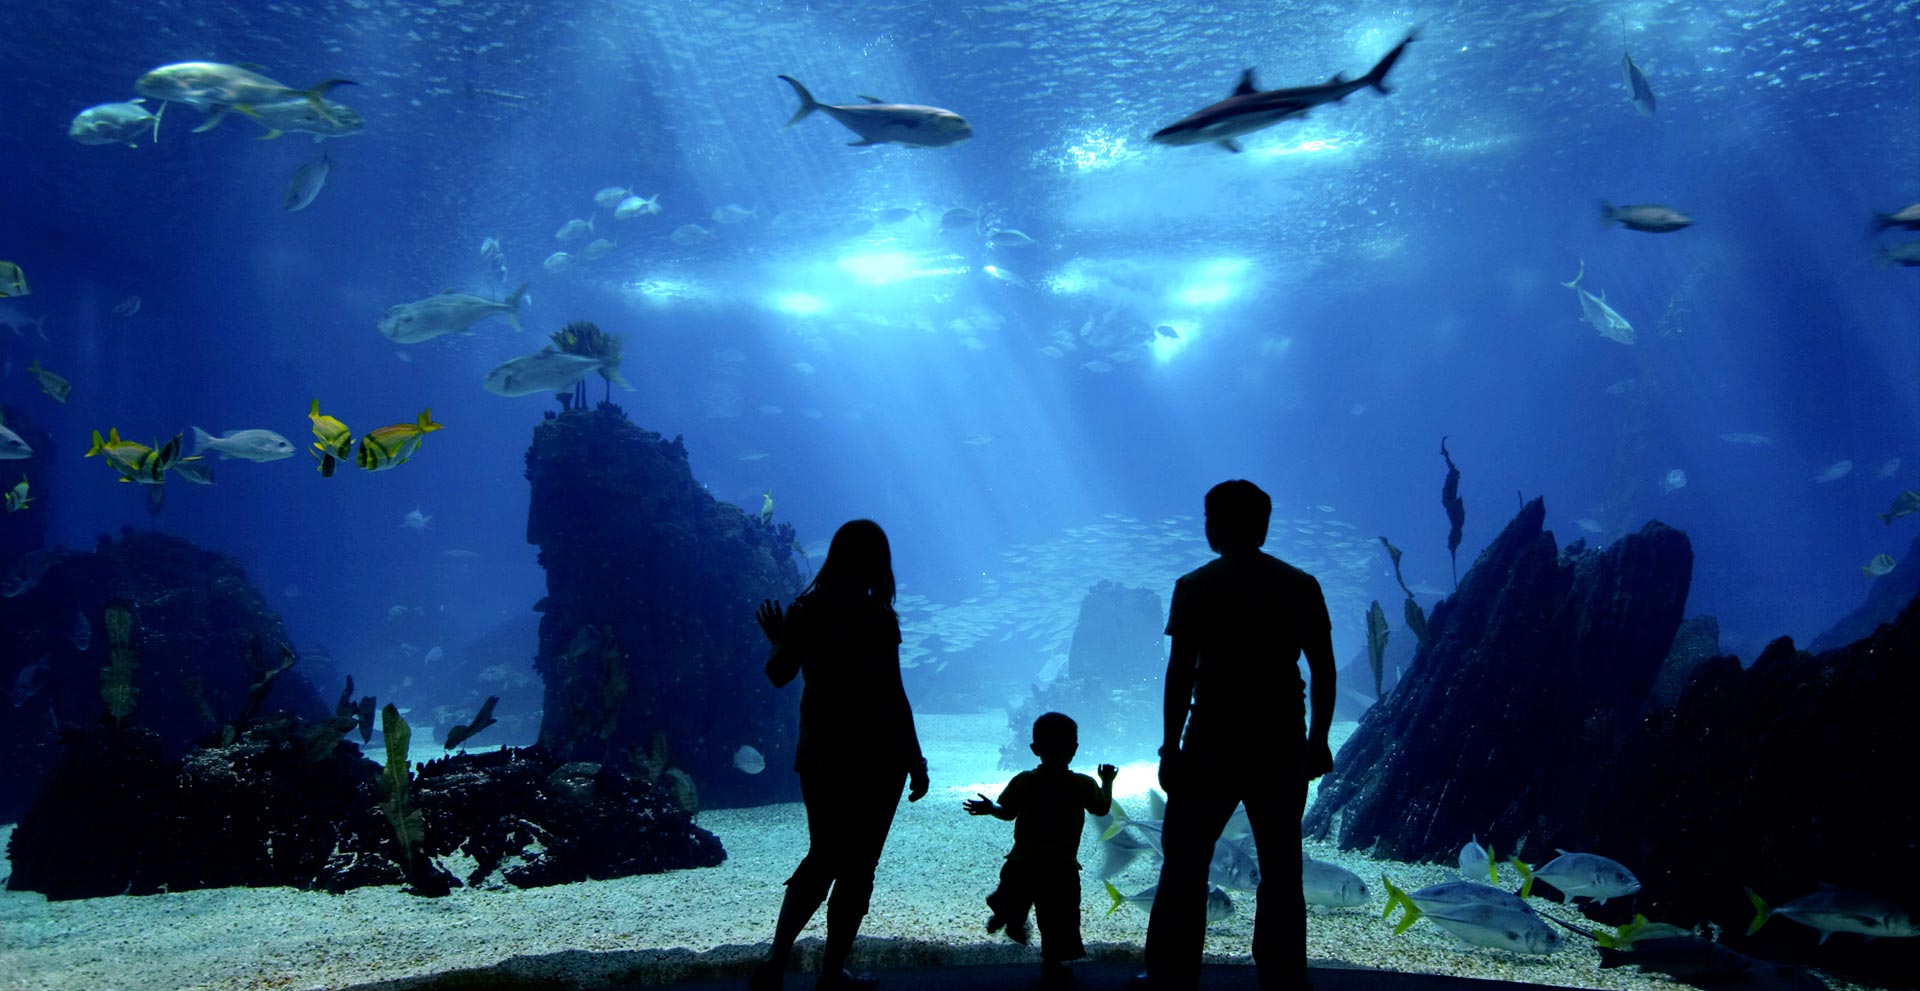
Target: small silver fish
{"x":307,"y":182}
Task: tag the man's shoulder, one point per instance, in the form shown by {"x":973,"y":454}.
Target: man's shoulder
{"x":1227,"y":568}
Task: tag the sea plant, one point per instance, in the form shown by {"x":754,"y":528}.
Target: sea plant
{"x":462,"y":733}
{"x":116,"y":679}
{"x":1377,"y":646}
{"x":658,"y":765}
{"x":1456,"y":508}
{"x":409,"y":825}
{"x":585,"y":338}
{"x":263,"y":677}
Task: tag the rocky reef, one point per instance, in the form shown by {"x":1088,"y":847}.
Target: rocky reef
{"x":284,"y":803}
{"x":195,"y":620}
{"x":1555,"y":707}
{"x":1535,"y":646}
{"x":1112,"y":682}
{"x":648,"y":647}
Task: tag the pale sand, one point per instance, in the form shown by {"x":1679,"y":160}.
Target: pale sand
{"x":927,"y":909}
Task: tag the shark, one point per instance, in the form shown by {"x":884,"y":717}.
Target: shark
{"x":1251,"y":109}
{"x":1594,"y":310}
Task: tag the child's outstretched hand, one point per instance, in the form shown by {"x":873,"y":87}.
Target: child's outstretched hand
{"x":1107,"y":773}
{"x":982,"y":806}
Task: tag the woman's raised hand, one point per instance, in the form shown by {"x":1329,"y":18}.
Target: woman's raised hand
{"x":771,"y":618}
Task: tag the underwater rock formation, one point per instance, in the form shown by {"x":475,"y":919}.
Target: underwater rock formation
{"x":1886,"y":597}
{"x":1112,"y":683}
{"x":265,"y":811}
{"x":194,"y":615}
{"x":1535,"y":647}
{"x":648,"y":627}
{"x":1782,"y":777}
{"x":1544,"y":714}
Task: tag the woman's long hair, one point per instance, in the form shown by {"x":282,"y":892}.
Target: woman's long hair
{"x":859,"y":564}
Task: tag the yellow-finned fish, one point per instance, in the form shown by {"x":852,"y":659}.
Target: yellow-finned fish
{"x":13,"y":282}
{"x":51,"y":384}
{"x":389,"y":447}
{"x":136,"y":462}
{"x":216,"y":87}
{"x":17,"y":497}
{"x":335,"y":440}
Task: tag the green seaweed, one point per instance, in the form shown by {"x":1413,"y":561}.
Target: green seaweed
{"x":409,"y":825}
{"x":116,"y":679}
{"x":1377,"y":646}
{"x":1416,"y":621}
{"x":263,"y":676}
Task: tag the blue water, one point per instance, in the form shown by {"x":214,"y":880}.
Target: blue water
{"x":1348,"y":290}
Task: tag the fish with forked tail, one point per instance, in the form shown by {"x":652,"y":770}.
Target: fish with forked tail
{"x":1251,"y":109}
{"x":878,"y":122}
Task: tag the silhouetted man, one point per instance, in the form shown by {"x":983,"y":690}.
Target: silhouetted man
{"x":1239,"y":624}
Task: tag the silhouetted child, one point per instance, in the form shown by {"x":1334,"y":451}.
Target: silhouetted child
{"x":1048,"y":807}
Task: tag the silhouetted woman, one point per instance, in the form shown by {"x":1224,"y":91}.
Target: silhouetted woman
{"x":857,"y":742}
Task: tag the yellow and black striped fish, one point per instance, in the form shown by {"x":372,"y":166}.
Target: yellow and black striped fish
{"x":335,"y":440}
{"x":388,"y":447}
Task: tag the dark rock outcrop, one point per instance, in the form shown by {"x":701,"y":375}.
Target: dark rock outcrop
{"x":1112,"y":682}
{"x":264,"y":811}
{"x":1538,"y":718}
{"x":1886,"y":597}
{"x":1785,"y":776}
{"x":194,"y":617}
{"x":648,"y":624}
{"x":1696,"y":642}
{"x":1538,"y":661}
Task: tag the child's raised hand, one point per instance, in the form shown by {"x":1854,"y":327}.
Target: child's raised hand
{"x":982,"y":806}
{"x":1108,"y":772}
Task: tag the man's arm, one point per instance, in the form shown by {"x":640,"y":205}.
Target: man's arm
{"x":1181,"y":662}
{"x":1320,"y":667}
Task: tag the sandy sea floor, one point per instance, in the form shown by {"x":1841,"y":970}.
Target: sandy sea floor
{"x":927,"y":909}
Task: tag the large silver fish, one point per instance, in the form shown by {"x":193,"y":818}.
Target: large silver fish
{"x":1588,"y":875}
{"x":1637,"y":89}
{"x":1651,"y":218}
{"x":1595,"y":311}
{"x":217,"y":86}
{"x":298,"y":114}
{"x":1836,"y":910}
{"x":887,"y":123}
{"x":550,"y":371}
{"x":1330,"y":885}
{"x":115,"y":123}
{"x":1479,"y":914}
{"x":1251,"y":109}
{"x":447,"y":313}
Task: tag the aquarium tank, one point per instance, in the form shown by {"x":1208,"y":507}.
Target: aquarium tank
{"x":407,"y":406}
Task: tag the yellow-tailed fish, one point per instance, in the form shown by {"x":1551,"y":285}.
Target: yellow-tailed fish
{"x":17,"y":497}
{"x":388,"y":447}
{"x":51,"y":384}
{"x":335,"y":440}
{"x":123,"y":456}
{"x":13,"y":282}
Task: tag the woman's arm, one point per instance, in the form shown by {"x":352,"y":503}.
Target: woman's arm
{"x":783,"y":664}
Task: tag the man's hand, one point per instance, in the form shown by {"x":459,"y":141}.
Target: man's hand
{"x":982,"y":806}
{"x":917,"y":783}
{"x":1107,"y":773}
{"x":771,"y":619}
{"x":1316,"y":760}
{"x":1172,"y":769}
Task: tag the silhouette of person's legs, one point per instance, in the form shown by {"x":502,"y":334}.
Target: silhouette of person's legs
{"x":1280,"y":909}
{"x":867,"y":808}
{"x":808,"y":886}
{"x":1056,"y":908}
{"x":1177,"y":928}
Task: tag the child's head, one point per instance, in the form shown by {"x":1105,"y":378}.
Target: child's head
{"x":1056,"y":738}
